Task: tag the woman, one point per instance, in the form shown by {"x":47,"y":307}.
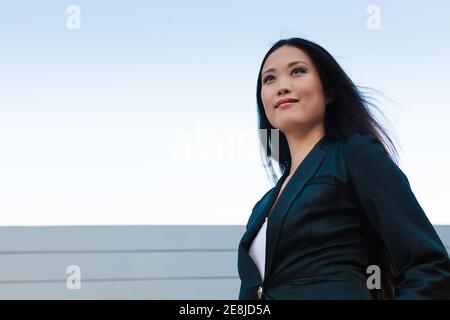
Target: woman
{"x":342,"y":221}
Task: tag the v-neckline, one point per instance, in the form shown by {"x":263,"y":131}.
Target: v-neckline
{"x":278,"y":191}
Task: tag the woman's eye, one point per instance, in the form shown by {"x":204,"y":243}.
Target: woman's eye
{"x":299,"y":69}
{"x":266,"y":78}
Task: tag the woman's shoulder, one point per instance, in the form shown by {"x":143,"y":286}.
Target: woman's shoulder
{"x":365,"y":155}
{"x":359,"y":145}
{"x":263,"y":197}
{"x":357,"y":151}
{"x":257,"y":205}
{"x":360,"y":140}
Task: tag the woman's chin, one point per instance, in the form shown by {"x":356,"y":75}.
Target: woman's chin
{"x":290,"y":124}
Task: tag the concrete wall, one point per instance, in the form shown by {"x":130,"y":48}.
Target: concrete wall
{"x":124,"y":262}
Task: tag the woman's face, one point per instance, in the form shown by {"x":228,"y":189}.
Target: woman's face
{"x":289,"y":73}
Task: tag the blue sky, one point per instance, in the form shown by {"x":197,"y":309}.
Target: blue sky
{"x":123,"y":121}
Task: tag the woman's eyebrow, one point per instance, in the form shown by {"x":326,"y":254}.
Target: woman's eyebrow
{"x":289,"y":64}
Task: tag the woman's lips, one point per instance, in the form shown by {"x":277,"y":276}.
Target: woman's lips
{"x":286,"y":104}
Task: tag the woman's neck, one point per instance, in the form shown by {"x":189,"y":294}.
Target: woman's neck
{"x":301,"y":144}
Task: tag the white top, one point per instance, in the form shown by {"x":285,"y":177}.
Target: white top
{"x":258,"y":249}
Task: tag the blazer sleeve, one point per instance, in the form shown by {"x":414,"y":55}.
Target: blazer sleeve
{"x":420,"y":261}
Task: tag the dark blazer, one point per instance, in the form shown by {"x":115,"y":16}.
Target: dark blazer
{"x":345,"y":206}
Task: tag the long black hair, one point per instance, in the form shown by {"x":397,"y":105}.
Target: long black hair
{"x":347,"y":113}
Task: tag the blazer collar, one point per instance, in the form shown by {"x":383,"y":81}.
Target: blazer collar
{"x":303,"y":173}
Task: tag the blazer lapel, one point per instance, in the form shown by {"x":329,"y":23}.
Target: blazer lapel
{"x":305,"y":171}
{"x":248,"y":271}
{"x":261,"y":211}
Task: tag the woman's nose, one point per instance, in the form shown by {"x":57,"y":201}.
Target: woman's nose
{"x":282,"y":90}
{"x":283,"y":86}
